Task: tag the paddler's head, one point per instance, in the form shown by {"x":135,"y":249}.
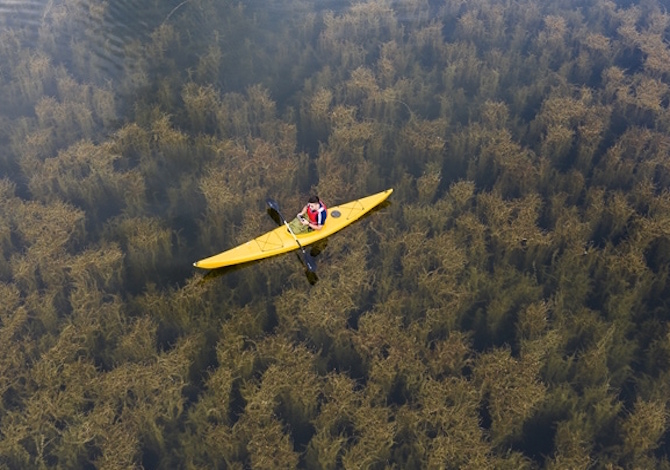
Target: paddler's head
{"x":313,"y":202}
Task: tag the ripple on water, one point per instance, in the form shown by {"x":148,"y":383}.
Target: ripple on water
{"x":105,"y":29}
{"x":22,"y":13}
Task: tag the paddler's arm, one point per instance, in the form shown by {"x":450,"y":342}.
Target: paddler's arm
{"x":310,"y":224}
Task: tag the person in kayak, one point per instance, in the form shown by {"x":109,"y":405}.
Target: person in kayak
{"x":311,"y":217}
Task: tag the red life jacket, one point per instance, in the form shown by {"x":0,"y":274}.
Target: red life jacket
{"x":318,"y":216}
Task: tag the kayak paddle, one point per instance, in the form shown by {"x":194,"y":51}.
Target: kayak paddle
{"x":309,"y":261}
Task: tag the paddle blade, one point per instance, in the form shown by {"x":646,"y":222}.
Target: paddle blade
{"x":272,"y":204}
{"x":310,"y":262}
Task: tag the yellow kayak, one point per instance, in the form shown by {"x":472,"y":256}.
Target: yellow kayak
{"x":280,"y":241}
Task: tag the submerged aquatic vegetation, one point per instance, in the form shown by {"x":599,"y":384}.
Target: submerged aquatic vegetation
{"x":507,"y":308}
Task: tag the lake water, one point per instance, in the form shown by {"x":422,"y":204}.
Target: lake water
{"x":516,"y":281}
{"x":140,"y":54}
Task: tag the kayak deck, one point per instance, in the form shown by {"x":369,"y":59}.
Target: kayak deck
{"x":279,"y":240}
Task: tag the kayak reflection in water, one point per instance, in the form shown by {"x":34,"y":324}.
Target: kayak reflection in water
{"x":311,"y":217}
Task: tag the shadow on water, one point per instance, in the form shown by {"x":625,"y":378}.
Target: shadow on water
{"x":214,"y":274}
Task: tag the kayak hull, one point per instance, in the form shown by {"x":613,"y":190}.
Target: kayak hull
{"x":279,"y":240}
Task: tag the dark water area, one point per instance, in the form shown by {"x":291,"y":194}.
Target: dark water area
{"x":506,"y":308}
